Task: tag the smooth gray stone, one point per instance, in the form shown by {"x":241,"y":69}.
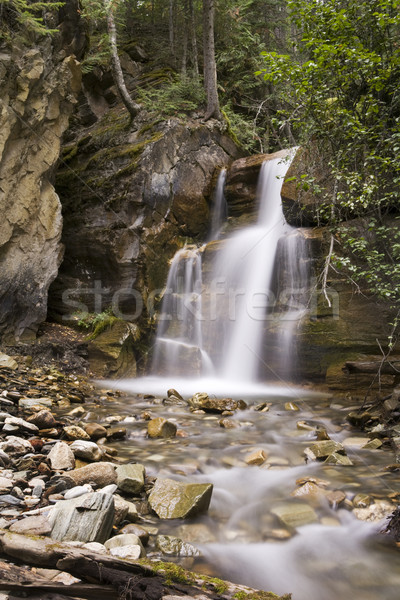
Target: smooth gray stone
{"x":88,"y":518}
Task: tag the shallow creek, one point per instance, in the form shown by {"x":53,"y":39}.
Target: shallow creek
{"x":337,"y":556}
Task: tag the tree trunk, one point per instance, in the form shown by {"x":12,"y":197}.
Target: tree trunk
{"x":193,"y":40}
{"x":118,"y":76}
{"x":185,"y":39}
{"x":171,"y":29}
{"x":210,"y":69}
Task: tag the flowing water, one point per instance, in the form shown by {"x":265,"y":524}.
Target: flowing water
{"x":264,"y":276}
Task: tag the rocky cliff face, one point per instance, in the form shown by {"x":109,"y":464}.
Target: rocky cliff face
{"x":132,"y":194}
{"x":36,"y":98}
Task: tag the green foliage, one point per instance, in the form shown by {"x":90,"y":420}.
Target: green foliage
{"x":26,"y":15}
{"x":177,"y":98}
{"x":95,"y":323}
{"x":339,"y":95}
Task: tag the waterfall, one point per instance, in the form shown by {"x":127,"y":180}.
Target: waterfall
{"x":255,"y":291}
{"x":179,"y":348}
{"x":219,"y":210}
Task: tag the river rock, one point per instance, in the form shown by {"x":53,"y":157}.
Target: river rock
{"x":202,"y":401}
{"x":15,"y":445}
{"x":362,"y":500}
{"x":176,"y":500}
{"x":30,"y":403}
{"x":161,"y":428}
{"x":355,"y":442}
{"x":77,"y":491}
{"x":88,"y":451}
{"x":61,"y":457}
{"x":88,"y":518}
{"x":339,"y":459}
{"x":142,"y":533}
{"x":100,"y":474}
{"x":95,"y":431}
{"x":125,"y":539}
{"x":130,"y":478}
{"x":73,"y":432}
{"x":172,"y":393}
{"x":374,"y":512}
{"x":258,"y":457}
{"x":5,"y":484}
{"x":7,"y":362}
{"x":323,"y":449}
{"x":130,"y":552}
{"x":173,"y":546}
{"x":121,"y":509}
{"x":36,"y":525}
{"x":20,"y":424}
{"x":295,"y":515}
{"x":42,"y":419}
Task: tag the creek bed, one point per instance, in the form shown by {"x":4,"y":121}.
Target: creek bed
{"x":242,"y":538}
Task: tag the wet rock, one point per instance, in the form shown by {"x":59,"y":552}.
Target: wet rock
{"x":42,"y":419}
{"x":373,"y":444}
{"x":100,"y":474}
{"x":7,"y":362}
{"x":116,"y":433}
{"x":228,"y":424}
{"x":295,"y":515}
{"x":129,"y":508}
{"x":173,"y":546}
{"x":309,"y":489}
{"x":161,"y":428}
{"x":374,"y":512}
{"x":95,"y":431}
{"x":175,"y":500}
{"x":88,"y":451}
{"x":88,"y":518}
{"x":142,"y":533}
{"x":196,"y":533}
{"x":61,"y":457}
{"x":362,"y":501}
{"x":355,"y":442}
{"x":174,"y":394}
{"x":323,"y":449}
{"x":291,"y":406}
{"x":258,"y":457}
{"x":130,"y":552}
{"x":73,"y":432}
{"x":335,"y":498}
{"x":202,"y":401}
{"x":359,"y":419}
{"x":36,"y":525}
{"x":130,"y":478}
{"x":339,"y":459}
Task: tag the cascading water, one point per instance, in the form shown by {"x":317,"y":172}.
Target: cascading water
{"x":219,"y":211}
{"x":179,"y":334}
{"x":245,"y":301}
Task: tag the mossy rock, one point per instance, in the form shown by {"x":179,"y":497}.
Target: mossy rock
{"x":112,"y":351}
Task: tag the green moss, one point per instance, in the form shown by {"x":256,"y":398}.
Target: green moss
{"x":219,"y":585}
{"x":171,"y":571}
{"x":149,"y":127}
{"x":260,"y":596}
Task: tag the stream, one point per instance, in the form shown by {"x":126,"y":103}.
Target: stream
{"x":241,"y":538}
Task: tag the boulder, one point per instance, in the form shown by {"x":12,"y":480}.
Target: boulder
{"x":112,"y":352}
{"x":88,"y":518}
{"x":130,"y":478}
{"x":176,"y":500}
